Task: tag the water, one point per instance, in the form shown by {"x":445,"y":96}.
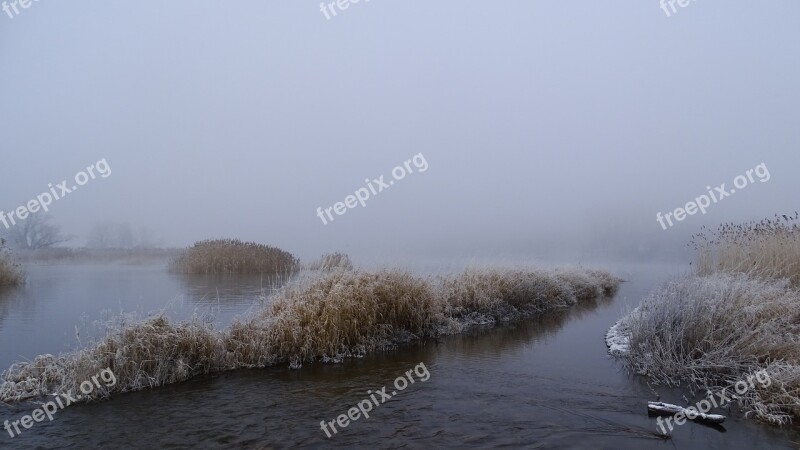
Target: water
{"x":545,"y":383}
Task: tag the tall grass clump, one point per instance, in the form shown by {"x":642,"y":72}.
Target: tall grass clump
{"x":354,"y":313}
{"x":738,"y":315}
{"x":141,"y":355}
{"x":10,"y":272}
{"x":232,"y":256}
{"x":342,"y":314}
{"x":711,"y":331}
{"x":332,"y":261}
{"x":316,"y":318}
{"x":491,"y":295}
{"x":769,"y":249}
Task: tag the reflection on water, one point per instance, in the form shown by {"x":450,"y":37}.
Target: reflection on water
{"x":542,"y":383}
{"x":235,"y":288}
{"x":495,"y":342}
{"x":42,"y":315}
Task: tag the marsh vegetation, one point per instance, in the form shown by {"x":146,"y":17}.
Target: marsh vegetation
{"x":738,"y":314}
{"x":317,"y":318}
{"x":233,"y":256}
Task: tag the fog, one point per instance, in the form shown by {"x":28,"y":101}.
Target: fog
{"x":549,"y":129}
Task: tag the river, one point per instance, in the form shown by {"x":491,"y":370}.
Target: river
{"x":542,"y":383}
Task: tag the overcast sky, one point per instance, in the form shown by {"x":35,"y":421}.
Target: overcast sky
{"x":544,"y":123}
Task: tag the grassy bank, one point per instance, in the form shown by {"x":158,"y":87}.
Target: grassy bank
{"x":66,"y":255}
{"x":739,"y":314}
{"x":315,"y":319}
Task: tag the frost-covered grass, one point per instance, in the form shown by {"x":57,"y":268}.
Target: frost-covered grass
{"x":738,"y":315}
{"x":507,"y":294}
{"x":314,"y":319}
{"x":142,"y":355}
{"x":709,"y":331}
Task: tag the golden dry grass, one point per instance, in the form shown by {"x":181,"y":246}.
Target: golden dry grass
{"x":769,"y":249}
{"x":232,"y":256}
{"x":316,"y":318}
{"x":339,"y":315}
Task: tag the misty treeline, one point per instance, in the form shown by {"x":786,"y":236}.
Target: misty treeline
{"x":39,"y":231}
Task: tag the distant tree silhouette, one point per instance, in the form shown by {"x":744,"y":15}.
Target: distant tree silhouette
{"x":33,"y":233}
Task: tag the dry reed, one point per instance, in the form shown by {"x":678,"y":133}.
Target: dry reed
{"x":232,"y":256}
{"x":769,"y":249}
{"x":332,"y":261}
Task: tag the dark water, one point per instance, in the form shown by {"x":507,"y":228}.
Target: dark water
{"x":545,"y":383}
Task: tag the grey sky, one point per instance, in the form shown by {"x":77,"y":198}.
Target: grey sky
{"x":544,"y":123}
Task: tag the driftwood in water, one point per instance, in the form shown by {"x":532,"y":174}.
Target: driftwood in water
{"x":666,"y":409}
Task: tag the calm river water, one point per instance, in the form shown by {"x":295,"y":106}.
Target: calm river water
{"x":545,"y":383}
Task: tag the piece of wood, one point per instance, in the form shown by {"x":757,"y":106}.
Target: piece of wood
{"x":667,"y":409}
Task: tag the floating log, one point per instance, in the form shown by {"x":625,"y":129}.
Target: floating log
{"x":667,"y":409}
